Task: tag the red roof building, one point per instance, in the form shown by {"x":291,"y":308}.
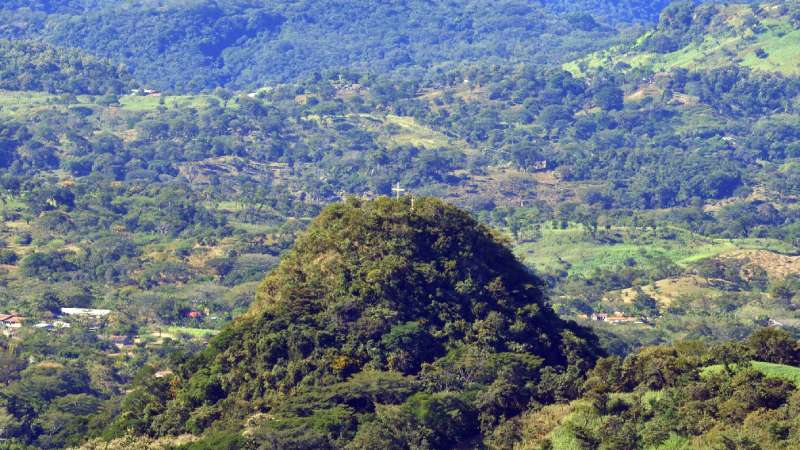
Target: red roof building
{"x":193,"y":314}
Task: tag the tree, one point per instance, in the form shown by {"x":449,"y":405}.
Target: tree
{"x":10,"y":426}
{"x":609,"y":97}
{"x":774,"y":345}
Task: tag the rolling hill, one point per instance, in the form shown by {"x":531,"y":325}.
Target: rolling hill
{"x":201,"y":44}
{"x":764,"y":38}
{"x":381,"y":308}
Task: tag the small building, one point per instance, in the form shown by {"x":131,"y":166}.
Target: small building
{"x":615,"y":318}
{"x":538,"y":166}
{"x":772,"y":323}
{"x":53,"y":325}
{"x":85,"y":312}
{"x":279,"y":168}
{"x":11,"y":320}
{"x":622,"y":319}
{"x":146,"y":92}
{"x":118,"y":341}
{"x":163,"y":373}
{"x":193,"y":314}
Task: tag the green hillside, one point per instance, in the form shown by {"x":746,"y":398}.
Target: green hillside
{"x":248,"y":44}
{"x":221,"y":260}
{"x":782,"y":371}
{"x":385,"y":313}
{"x":764,"y":38}
{"x":200,"y":44}
{"x":666,"y":398}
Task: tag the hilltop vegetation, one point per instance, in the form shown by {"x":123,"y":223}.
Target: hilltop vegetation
{"x":380,"y":316}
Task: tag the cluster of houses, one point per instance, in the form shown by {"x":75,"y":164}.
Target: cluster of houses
{"x":11,"y":323}
{"x":616,"y":318}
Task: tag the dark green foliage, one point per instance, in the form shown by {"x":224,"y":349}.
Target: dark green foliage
{"x":735,"y":408}
{"x":35,"y":66}
{"x":49,"y":403}
{"x":774,"y":345}
{"x":201,"y":45}
{"x":384,"y":328}
{"x":609,"y":97}
{"x":679,"y":23}
{"x":47,"y":265}
{"x":8,"y":256}
{"x":374,"y":287}
{"x":222,"y":440}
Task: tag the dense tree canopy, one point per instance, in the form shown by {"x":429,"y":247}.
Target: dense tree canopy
{"x":35,"y":66}
{"x":420,"y":301}
{"x":657,"y":189}
{"x":202,"y":44}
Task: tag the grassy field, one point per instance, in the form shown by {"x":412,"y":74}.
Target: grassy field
{"x":403,"y":130}
{"x":227,"y":206}
{"x":174,"y":331}
{"x":146,"y":103}
{"x":775,"y":35}
{"x":580,"y":414}
{"x":10,"y":99}
{"x":409,"y":131}
{"x":15,"y":102}
{"x":789,"y":373}
{"x":10,"y":204}
{"x":194,"y":332}
{"x":574,"y":250}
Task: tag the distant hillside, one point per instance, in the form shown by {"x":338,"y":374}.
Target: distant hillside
{"x":201,"y":44}
{"x":764,"y":38}
{"x":384,"y":314}
{"x":35,"y":66}
{"x":618,"y":11}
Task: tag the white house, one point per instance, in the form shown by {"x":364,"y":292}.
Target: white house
{"x":85,"y":312}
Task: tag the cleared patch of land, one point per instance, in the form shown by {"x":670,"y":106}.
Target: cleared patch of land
{"x":573,"y":249}
{"x":403,"y":130}
{"x":767,"y":42}
{"x":789,"y":373}
{"x":668,"y":290}
{"x":776,"y":265}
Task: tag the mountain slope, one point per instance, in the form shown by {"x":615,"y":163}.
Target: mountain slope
{"x":201,"y":44}
{"x":765,"y":38}
{"x":378,"y":304}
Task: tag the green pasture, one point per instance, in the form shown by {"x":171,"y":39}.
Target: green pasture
{"x":789,"y":373}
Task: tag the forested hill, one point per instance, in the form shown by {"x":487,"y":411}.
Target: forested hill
{"x":37,"y":66}
{"x":201,"y":44}
{"x":387,"y":322}
{"x":614,"y":11}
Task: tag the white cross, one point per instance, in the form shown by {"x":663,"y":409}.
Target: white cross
{"x":398,"y":190}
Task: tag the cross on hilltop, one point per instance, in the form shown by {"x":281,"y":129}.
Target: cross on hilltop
{"x":398,"y":190}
